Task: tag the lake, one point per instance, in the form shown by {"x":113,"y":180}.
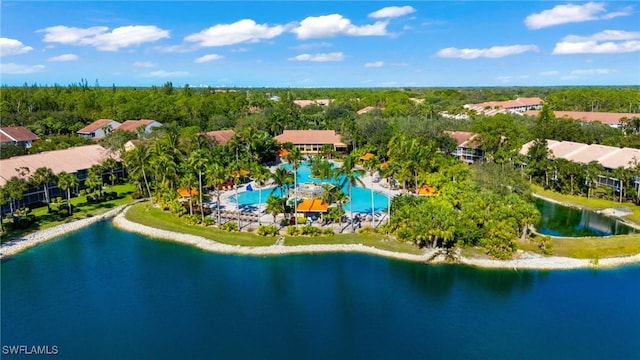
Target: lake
{"x":102,"y":293}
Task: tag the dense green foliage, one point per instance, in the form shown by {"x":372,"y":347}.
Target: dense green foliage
{"x":482,"y":205}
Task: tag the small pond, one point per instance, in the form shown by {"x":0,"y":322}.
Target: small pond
{"x":558,"y":220}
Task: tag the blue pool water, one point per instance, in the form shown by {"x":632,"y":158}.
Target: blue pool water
{"x":361,"y":197}
{"x":102,"y":293}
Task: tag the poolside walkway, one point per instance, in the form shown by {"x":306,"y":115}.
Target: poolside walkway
{"x":228,"y":204}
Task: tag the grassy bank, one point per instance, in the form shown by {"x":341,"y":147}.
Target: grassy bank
{"x":82,"y":209}
{"x":591,"y":247}
{"x":591,"y":204}
{"x":145,"y":214}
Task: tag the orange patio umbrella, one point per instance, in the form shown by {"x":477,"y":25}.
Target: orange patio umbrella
{"x":366,"y":156}
{"x":185,"y":192}
{"x":313,"y":205}
{"x":426,"y":190}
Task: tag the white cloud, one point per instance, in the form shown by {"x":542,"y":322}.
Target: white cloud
{"x":174,"y":49}
{"x":334,"y":56}
{"x":604,"y":42}
{"x":165,"y":74}
{"x":504,"y":78}
{"x":64,"y":57}
{"x":144,"y":64}
{"x":492,"y":52}
{"x":334,"y":25}
{"x":375,"y":64}
{"x":392,"y":12}
{"x":310,"y":46}
{"x":591,"y":72}
{"x":207,"y":58}
{"x":12,"y":68}
{"x":241,"y":31}
{"x":12,"y":47}
{"x":570,"y":13}
{"x":102,"y":39}
{"x":549,"y":73}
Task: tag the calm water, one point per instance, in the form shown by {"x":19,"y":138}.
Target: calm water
{"x":558,"y":220}
{"x":361,"y":196}
{"x":101,"y":293}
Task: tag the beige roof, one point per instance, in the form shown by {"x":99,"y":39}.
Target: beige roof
{"x":68,"y":160}
{"x":304,"y":103}
{"x":17,"y":133}
{"x":133,"y":125}
{"x":310,"y":137}
{"x":610,"y":157}
{"x":625,"y":157}
{"x":97,"y":125}
{"x":585,"y":116}
{"x":221,"y":137}
{"x":463,"y":138}
{"x":366,"y":110}
{"x":494,"y":107}
{"x":565,"y":149}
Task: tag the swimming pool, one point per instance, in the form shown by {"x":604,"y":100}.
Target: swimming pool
{"x":361,"y":196}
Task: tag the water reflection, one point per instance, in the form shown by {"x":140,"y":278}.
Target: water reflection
{"x":558,"y":220}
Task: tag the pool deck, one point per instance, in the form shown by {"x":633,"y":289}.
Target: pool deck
{"x":227,"y":203}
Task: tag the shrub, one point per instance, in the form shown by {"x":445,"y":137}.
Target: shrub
{"x":267,"y":230}
{"x":208,"y":221}
{"x":230,"y":226}
{"x":136,"y":195}
{"x":310,"y":230}
{"x":545,"y":244}
{"x":292,"y":230}
{"x":366,"y":230}
{"x":192,"y":219}
{"x":59,"y":200}
{"x":404,"y":234}
{"x":64,"y":212}
{"x":328,"y":232}
{"x":82,"y":192}
{"x":284,"y":222}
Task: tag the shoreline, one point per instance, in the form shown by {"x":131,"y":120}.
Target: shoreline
{"x":524,"y":260}
{"x":32,"y":239}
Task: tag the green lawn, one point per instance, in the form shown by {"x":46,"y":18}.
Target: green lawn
{"x":82,"y":209}
{"x":143,"y":213}
{"x":591,"y":204}
{"x":591,"y":247}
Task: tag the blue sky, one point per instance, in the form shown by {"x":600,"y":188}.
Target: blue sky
{"x":321,"y":43}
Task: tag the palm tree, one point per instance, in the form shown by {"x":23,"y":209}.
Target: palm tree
{"x":15,"y":188}
{"x":274,"y":207}
{"x":351,"y":177}
{"x":199,"y":160}
{"x":294,"y":158}
{"x":4,"y":198}
{"x":340,"y":198}
{"x":372,"y":165}
{"x":282,"y":178}
{"x":621,"y":174}
{"x":65,"y":182}
{"x":260,"y":175}
{"x":216,"y":176}
{"x":94,"y":178}
{"x":188,"y":181}
{"x":110,"y":164}
{"x":42,"y":177}
{"x":137,"y":161}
